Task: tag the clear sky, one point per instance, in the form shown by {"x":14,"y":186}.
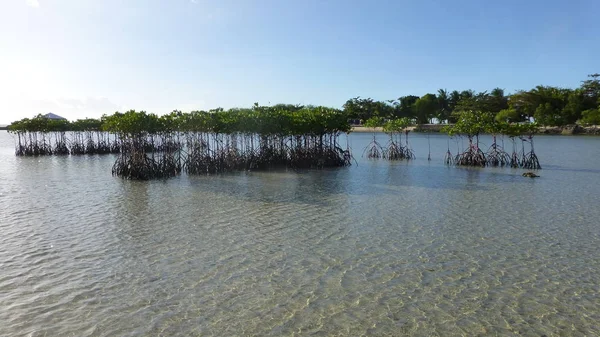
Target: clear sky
{"x":83,"y":58}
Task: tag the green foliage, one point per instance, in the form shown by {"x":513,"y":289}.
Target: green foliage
{"x":556,"y":106}
{"x":576,"y":103}
{"x":397,"y":125}
{"x":497,"y":100}
{"x":365,"y":108}
{"x":39,"y":124}
{"x":591,"y":88}
{"x":546,"y":114}
{"x":443,"y":99}
{"x":551,"y":102}
{"x":406,"y":106}
{"x":470,"y":123}
{"x":132,"y":123}
{"x":277,"y":120}
{"x":374,"y":122}
{"x":524,"y":103}
{"x":426,"y":108}
{"x":508,"y":116}
{"x":591,"y":117}
{"x":548,"y":105}
{"x":520,"y":129}
{"x":172,"y":122}
{"x":88,"y":124}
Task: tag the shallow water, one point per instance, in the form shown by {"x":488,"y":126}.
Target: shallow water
{"x":380,"y":248}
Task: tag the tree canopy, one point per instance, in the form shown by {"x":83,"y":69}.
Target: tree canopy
{"x":547,"y":105}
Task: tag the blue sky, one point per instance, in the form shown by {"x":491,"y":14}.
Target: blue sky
{"x":83,"y":58}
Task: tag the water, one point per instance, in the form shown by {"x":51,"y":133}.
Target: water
{"x":377,"y":249}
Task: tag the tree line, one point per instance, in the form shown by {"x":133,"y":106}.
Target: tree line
{"x":547,"y":105}
{"x":199,"y":142}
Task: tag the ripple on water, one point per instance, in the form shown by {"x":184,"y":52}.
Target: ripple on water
{"x":377,"y":249}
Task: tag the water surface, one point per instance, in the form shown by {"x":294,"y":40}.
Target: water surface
{"x":380,"y":248}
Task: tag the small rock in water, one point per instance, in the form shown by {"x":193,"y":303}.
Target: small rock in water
{"x":530,"y":175}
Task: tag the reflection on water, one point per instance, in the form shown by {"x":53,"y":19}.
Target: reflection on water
{"x":406,"y":248}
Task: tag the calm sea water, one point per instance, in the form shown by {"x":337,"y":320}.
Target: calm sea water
{"x":381,"y":248}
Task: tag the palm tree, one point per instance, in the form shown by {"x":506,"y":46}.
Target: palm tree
{"x":499,"y":101}
{"x":443,"y":112}
{"x":454,"y":99}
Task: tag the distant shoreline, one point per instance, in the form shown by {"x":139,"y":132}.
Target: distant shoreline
{"x":436,"y":128}
{"x":544,"y":130}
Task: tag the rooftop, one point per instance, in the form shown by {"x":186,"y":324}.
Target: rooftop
{"x":50,"y":115}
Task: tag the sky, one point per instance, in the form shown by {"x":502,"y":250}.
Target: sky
{"x":85,"y":58}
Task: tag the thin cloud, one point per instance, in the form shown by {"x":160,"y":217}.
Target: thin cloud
{"x":33,"y":3}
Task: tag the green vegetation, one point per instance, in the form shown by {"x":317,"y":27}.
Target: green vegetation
{"x":474,"y":118}
{"x":300,"y":137}
{"x":199,"y":142}
{"x":150,"y":148}
{"x":395,"y":149}
{"x":374,"y":150}
{"x":469,"y":114}
{"x":548,"y":106}
{"x":43,"y":136}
